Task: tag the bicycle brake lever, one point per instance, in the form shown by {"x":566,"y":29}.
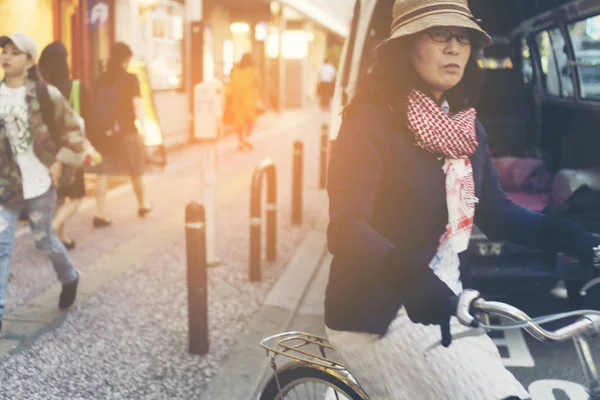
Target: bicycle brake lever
{"x":463,"y":310}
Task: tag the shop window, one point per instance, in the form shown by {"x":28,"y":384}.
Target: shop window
{"x":556,"y":72}
{"x":585,"y":36}
{"x":166,"y":45}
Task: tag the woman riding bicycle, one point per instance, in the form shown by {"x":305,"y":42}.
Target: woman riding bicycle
{"x":409,"y":175}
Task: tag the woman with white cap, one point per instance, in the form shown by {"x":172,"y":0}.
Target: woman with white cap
{"x":409,"y":175}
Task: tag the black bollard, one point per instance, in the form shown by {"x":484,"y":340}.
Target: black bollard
{"x":324,"y":153}
{"x":195,"y":243}
{"x":271,"y":212}
{"x":267,"y":168}
{"x":297,"y":182}
{"x":255,"y":225}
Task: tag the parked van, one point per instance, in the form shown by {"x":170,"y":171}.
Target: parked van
{"x":540,"y":105}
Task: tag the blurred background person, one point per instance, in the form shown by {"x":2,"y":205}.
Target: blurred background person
{"x":118,"y":104}
{"x":54,"y":68}
{"x":326,"y":84}
{"x":243,"y":91}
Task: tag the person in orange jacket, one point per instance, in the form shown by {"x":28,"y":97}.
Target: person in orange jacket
{"x":243,"y":88}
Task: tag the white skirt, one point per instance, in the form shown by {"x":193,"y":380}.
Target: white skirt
{"x":402,"y":365}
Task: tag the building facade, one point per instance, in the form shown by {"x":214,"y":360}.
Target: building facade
{"x":183,"y":42}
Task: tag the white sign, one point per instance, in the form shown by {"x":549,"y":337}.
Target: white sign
{"x":99,"y":14}
{"x":207,"y":110}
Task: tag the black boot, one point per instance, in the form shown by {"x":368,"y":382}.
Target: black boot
{"x":67,"y":295}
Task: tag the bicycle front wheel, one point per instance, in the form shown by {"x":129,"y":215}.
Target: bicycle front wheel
{"x":307,"y":383}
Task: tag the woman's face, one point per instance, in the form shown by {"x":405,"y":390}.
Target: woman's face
{"x":440,"y":64}
{"x":14,"y":61}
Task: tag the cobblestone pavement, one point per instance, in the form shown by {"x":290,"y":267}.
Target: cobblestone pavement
{"x":129,"y":339}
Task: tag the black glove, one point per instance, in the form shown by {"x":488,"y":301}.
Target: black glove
{"x":429,"y":301}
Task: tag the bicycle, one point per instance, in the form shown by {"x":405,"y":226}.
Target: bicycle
{"x":313,"y":375}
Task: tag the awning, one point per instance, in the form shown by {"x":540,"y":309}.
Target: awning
{"x":332,"y":15}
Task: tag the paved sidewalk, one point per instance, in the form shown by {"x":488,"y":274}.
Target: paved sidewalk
{"x":126,"y":338}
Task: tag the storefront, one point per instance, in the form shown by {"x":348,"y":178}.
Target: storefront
{"x":155,"y":31}
{"x":311,"y":30}
{"x":82,"y":25}
{"x":17,"y":16}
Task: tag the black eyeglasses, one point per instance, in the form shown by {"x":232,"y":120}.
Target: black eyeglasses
{"x":444,"y":36}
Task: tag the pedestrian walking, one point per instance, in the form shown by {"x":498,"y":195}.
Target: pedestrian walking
{"x":40,"y":136}
{"x":54,"y":69}
{"x":326,"y":84}
{"x":410,"y":173}
{"x":243,"y":90}
{"x":117,"y":105}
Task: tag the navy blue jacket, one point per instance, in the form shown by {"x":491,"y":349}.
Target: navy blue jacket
{"x":387,"y":197}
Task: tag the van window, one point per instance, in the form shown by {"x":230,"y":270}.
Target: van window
{"x":554,"y":62}
{"x":497,"y":55}
{"x":585,"y":36}
{"x":526,"y":62}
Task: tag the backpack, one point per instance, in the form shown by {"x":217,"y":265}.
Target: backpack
{"x":47,"y":111}
{"x":104,"y":111}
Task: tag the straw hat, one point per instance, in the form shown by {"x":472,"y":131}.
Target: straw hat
{"x":414,"y":16}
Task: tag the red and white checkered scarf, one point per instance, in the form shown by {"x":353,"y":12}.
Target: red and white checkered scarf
{"x":454,"y":137}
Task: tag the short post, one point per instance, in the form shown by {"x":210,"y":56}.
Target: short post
{"x":297,"y":182}
{"x":271,"y":212}
{"x":267,"y":167}
{"x":324,"y":153}
{"x":195,"y":243}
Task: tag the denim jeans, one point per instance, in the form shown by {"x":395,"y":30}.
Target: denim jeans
{"x":40,"y":212}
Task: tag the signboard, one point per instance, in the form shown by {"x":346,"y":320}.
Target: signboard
{"x":149,"y":126}
{"x":207,"y":110}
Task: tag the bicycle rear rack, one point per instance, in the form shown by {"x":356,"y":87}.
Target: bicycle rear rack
{"x":296,"y":346}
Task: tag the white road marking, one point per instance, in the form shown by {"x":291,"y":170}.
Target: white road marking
{"x":544,"y":390}
{"x":518,"y":352}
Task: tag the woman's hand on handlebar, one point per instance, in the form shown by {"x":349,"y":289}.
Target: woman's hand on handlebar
{"x":429,"y":301}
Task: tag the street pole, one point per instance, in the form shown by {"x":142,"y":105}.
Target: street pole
{"x":208,"y":196}
{"x":206,"y":115}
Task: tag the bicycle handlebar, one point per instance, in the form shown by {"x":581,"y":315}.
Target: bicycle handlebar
{"x":470,"y":302}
